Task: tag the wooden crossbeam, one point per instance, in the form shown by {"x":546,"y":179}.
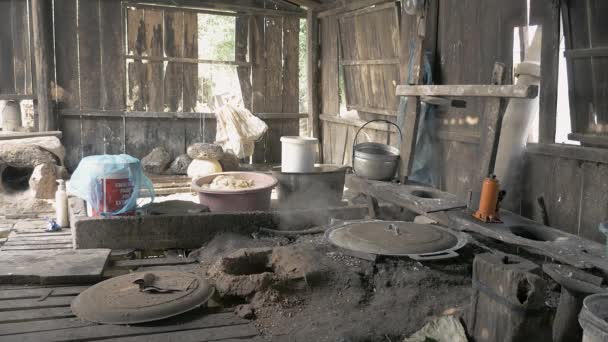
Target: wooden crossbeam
{"x":509,"y":91}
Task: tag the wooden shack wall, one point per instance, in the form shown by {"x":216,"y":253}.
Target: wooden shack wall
{"x":467,"y":39}
{"x":109,"y":104}
{"x":16,"y":75}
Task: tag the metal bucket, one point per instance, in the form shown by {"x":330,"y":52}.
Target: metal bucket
{"x":594,"y":318}
{"x":322,"y":187}
{"x":375,"y":161}
{"x":11,"y":116}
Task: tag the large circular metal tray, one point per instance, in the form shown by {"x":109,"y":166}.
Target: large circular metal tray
{"x":396,"y":238}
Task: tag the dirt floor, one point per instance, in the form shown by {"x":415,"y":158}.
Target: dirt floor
{"x":356,"y":300}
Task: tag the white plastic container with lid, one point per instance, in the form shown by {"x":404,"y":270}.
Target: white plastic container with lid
{"x":298,"y":154}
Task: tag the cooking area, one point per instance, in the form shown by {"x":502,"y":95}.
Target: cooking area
{"x":303,"y":170}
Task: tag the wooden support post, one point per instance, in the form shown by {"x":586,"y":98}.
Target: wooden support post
{"x":412,"y":114}
{"x":43,"y":54}
{"x":312,"y":39}
{"x":549,"y":73}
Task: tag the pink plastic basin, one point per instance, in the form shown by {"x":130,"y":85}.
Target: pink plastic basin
{"x":256,"y":198}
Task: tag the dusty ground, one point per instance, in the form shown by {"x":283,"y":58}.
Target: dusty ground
{"x":358,"y":300}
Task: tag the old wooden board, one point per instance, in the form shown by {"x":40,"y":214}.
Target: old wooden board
{"x":67,"y":78}
{"x":330,"y":101}
{"x":516,"y":230}
{"x":7,"y":82}
{"x":44,"y":314}
{"x":22,"y":57}
{"x":52,"y":266}
{"x":420,"y":199}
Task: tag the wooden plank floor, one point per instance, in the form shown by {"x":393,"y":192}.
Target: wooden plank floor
{"x":31,"y":235}
{"x":44,"y":314}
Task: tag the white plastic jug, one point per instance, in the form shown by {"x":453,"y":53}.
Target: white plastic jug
{"x":298,"y":154}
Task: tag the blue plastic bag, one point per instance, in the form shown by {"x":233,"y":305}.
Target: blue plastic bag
{"x":87,"y":180}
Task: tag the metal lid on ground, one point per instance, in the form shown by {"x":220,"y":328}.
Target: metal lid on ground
{"x":396,"y":238}
{"x":142,"y":297}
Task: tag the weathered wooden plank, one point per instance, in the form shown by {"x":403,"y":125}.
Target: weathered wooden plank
{"x":42,"y":26}
{"x":258,"y":69}
{"x":15,"y":316}
{"x":7,"y":81}
{"x":59,"y":243}
{"x":22,"y":59}
{"x":598,"y":155}
{"x":112,"y":63}
{"x":136,"y":71}
{"x":89,"y":53}
{"x":174,"y":47}
{"x":37,"y":293}
{"x":190,"y":83}
{"x":592,"y":204}
{"x":329,"y":66}
{"x":240,"y":55}
{"x":153,"y":23}
{"x":145,"y":134}
{"x":35,"y":247}
{"x":291,"y":33}
{"x":312,"y":66}
{"x":274,"y":64}
{"x":549,"y":70}
{"x":67,"y":62}
{"x":242,"y":332}
{"x":509,"y":91}
{"x":35,"y":303}
{"x":42,"y":325}
{"x":207,"y":325}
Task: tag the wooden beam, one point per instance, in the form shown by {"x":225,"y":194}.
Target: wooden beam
{"x":16,"y":97}
{"x":312,"y":41}
{"x":549,"y":73}
{"x":170,"y":115}
{"x":24,"y":135}
{"x":587,"y":53}
{"x":349,"y":6}
{"x":510,"y":91}
{"x":225,"y":5}
{"x":412,"y":111}
{"x":43,"y":54}
{"x":590,"y":154}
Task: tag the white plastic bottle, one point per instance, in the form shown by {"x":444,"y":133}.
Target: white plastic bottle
{"x":61,"y":205}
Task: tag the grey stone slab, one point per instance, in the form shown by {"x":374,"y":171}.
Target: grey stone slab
{"x":30,"y":226}
{"x":52,"y":266}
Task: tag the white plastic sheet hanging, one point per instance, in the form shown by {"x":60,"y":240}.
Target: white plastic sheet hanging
{"x":238,"y":130}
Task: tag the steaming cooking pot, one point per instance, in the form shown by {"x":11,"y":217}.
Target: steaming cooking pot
{"x":375,"y":161}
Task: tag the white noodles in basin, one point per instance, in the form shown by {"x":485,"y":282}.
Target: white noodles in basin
{"x":224,"y":182}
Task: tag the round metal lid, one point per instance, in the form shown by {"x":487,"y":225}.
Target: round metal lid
{"x":392,"y":238}
{"x":121,"y":300}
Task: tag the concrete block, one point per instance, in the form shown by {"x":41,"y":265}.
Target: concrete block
{"x":52,"y":266}
{"x":192,"y":231}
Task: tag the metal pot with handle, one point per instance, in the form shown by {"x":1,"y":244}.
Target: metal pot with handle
{"x":373,"y":160}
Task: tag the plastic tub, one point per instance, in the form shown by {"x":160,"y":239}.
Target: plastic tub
{"x":256,"y":198}
{"x":298,"y":154}
{"x":593,"y":318}
{"x":322,"y":187}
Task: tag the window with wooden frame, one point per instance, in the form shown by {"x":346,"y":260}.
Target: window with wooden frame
{"x":185,"y":60}
{"x":586,"y":38}
{"x":370,"y":60}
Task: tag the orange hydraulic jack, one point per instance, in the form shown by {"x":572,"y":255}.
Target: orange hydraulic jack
{"x":489,"y":200}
